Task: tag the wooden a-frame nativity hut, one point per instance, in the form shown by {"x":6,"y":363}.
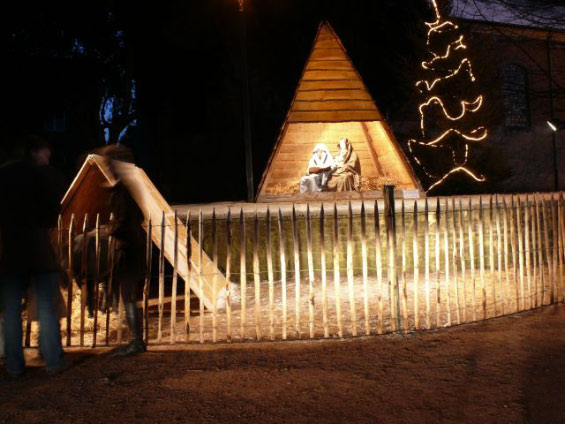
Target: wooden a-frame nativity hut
{"x":331,"y":102}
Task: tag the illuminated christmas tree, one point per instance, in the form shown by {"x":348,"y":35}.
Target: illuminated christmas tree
{"x":450,"y":100}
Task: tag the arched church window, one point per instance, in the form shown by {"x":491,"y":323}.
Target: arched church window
{"x":515,"y":96}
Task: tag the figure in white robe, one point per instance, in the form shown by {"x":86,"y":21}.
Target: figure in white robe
{"x":319,"y":170}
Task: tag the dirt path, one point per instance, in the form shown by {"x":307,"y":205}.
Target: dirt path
{"x":509,"y":369}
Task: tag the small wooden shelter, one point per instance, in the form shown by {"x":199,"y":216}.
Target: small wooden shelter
{"x":332,"y":102}
{"x":87,"y":196}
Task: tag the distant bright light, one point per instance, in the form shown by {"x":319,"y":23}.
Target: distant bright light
{"x":78,"y":47}
{"x":553,"y":127}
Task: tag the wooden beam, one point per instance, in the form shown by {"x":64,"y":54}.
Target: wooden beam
{"x":335,"y":116}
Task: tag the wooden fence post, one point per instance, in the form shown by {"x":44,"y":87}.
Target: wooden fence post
{"x":390,"y":221}
{"x":541,"y":264}
{"x":175,"y":279}
{"x":462,"y":258}
{"x":71,"y":273}
{"x":379,"y":266}
{"x":214,"y":278}
{"x":296,"y":273}
{"x":147,"y":282}
{"x":228,"y":275}
{"x":454,"y":259}
{"x":110,"y":286}
{"x":506,"y":260}
{"x":84,"y":268}
{"x":520,"y":252}
{"x":427,"y":264}
{"x":283,"y":274}
{"x":554,"y":239}
{"x":482,"y":259}
{"x":446,"y":260}
{"x":472,"y":260}
{"x":200,"y":275}
{"x":257,"y":277}
{"x":526,"y":294}
{"x":352,"y":308}
{"x":546,"y":248}
{"x":242,"y":276}
{"x":404,"y":298}
{"x":324,"y":276}
{"x":499,"y":254}
{"x":491,"y":254}
{"x":533,"y":219}
{"x":561,"y":244}
{"x":270,"y":274}
{"x":96,"y":283}
{"x":438,"y":262}
{"x":187,"y":299}
{"x":365,"y":270}
{"x":161,"y":277}
{"x":528,"y":251}
{"x":514,"y":250}
{"x":416,"y":260}
{"x":310,"y":258}
{"x":337,"y":282}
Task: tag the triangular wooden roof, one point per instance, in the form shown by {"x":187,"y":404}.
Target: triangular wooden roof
{"x":330,"y":89}
{"x":331,"y":101}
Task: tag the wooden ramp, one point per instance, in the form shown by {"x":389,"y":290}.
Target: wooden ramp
{"x":331,"y":102}
{"x":86,"y":195}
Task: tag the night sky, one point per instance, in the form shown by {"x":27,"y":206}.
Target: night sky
{"x":185,"y":58}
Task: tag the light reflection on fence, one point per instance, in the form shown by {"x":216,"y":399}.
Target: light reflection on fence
{"x":447,"y":263}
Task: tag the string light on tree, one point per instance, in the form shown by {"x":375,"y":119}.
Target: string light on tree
{"x":475,"y":105}
{"x":430,"y":86}
{"x":451,"y":131}
{"x":457,"y":44}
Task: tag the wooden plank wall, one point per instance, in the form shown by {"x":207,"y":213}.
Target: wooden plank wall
{"x":330,"y":89}
{"x":291,"y":161}
{"x":331,"y":102}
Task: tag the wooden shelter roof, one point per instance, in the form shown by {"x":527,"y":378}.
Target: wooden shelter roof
{"x":331,"y":101}
{"x":330,"y":89}
{"x":87,"y":196}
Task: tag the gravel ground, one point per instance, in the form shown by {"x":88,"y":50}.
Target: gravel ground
{"x":504,"y":370}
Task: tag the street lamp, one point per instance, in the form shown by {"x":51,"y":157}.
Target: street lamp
{"x":555,"y":126}
{"x":552,"y":125}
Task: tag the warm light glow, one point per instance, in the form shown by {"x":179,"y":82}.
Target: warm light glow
{"x":454,"y":170}
{"x":481,"y":135}
{"x":476,"y":105}
{"x":457,"y":44}
{"x":436,"y":10}
{"x":430,"y":86}
{"x":553,"y":127}
{"x":240,"y":2}
{"x":425,"y":86}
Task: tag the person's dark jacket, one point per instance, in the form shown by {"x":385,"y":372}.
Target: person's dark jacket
{"x":126,"y":227}
{"x":129,"y":236}
{"x":30,"y":199}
